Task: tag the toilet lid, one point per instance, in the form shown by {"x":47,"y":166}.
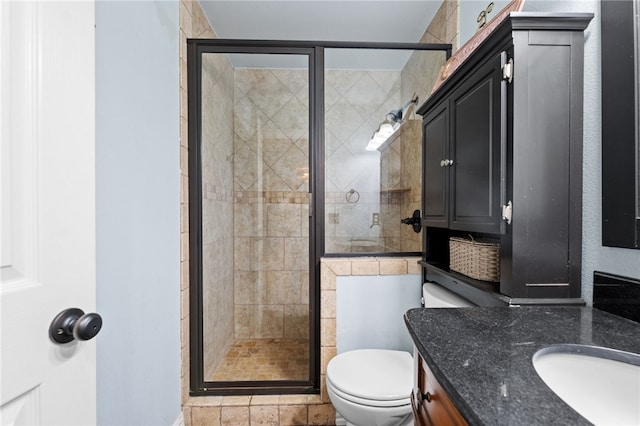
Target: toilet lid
{"x":375,"y":374}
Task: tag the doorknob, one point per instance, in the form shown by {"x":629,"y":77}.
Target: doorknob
{"x":72,"y":324}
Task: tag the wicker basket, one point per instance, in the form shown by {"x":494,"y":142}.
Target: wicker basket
{"x":477,"y":259}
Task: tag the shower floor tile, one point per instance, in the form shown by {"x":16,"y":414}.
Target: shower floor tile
{"x":265,"y":359}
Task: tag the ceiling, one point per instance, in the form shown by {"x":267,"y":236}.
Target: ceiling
{"x":330,"y":20}
{"x":399,"y":21}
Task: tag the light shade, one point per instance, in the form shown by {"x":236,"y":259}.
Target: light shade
{"x":380,"y":136}
{"x":390,"y":125}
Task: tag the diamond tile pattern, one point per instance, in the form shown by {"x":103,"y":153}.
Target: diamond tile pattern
{"x":353,"y":100}
{"x":355,"y":104}
{"x":271,"y":117}
{"x":269,"y":95}
{"x":271,"y":166}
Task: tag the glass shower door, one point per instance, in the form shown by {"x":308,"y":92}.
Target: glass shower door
{"x":254,"y":162}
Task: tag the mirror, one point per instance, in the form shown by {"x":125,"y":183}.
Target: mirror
{"x":620,"y":124}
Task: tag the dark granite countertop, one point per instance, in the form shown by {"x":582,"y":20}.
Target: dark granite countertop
{"x":482,"y":356}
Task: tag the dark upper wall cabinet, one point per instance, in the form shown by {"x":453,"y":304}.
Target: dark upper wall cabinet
{"x":503,"y":137}
{"x":620,"y":121}
{"x":462,"y":156}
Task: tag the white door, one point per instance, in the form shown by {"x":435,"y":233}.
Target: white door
{"x":47,"y":94}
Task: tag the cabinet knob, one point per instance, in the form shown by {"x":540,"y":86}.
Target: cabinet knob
{"x":426,"y":397}
{"x":443,"y":163}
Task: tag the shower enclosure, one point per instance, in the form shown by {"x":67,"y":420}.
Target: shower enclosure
{"x":279,"y":175}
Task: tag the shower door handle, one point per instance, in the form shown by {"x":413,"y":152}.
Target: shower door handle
{"x":414,"y":221}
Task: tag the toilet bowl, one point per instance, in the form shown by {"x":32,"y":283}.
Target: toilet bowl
{"x":372,"y":387}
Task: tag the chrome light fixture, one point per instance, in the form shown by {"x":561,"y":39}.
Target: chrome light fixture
{"x":390,"y":125}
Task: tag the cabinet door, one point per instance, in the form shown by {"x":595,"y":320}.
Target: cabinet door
{"x":475,"y":151}
{"x":431,"y":404}
{"x":435,"y":133}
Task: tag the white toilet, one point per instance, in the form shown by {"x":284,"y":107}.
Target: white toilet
{"x":372,"y":387}
{"x":436,"y":296}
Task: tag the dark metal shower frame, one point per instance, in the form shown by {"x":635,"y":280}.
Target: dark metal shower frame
{"x":314,"y":50}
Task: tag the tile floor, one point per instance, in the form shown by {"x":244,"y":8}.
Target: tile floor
{"x":265,"y":359}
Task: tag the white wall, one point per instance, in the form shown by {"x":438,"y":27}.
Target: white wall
{"x":137,"y":219}
{"x":595,"y":257}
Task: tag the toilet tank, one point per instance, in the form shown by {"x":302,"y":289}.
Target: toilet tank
{"x":436,"y":296}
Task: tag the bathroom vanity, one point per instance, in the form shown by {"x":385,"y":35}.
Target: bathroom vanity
{"x":475,"y":365}
{"x":502,"y":159}
{"x":430,"y":402}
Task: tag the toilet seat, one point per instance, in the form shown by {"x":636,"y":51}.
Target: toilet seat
{"x":373,"y":377}
{"x":368,"y":402}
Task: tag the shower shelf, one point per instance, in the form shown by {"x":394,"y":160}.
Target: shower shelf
{"x":394,"y":190}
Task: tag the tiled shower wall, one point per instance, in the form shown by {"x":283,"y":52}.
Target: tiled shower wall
{"x":444,"y":27}
{"x":271,"y":181}
{"x":193,"y":24}
{"x":356,"y":102}
{"x":217,"y":208}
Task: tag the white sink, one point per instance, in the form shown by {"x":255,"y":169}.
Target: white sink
{"x":601,"y":384}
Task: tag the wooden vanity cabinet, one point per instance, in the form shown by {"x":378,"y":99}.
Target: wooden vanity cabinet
{"x":502,"y":158}
{"x":431,"y":404}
